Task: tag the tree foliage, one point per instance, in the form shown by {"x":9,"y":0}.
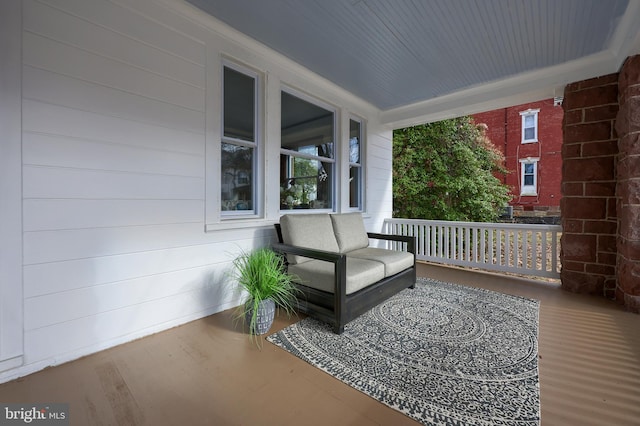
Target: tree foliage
{"x":446,"y":171}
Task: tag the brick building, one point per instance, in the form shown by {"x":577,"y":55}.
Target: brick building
{"x":530,"y":137}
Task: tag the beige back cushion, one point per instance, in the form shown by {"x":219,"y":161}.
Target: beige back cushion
{"x":313,"y":231}
{"x":349,"y":231}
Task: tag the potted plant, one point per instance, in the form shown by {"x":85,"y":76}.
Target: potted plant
{"x":262,"y":274}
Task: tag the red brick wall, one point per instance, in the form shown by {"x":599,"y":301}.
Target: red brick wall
{"x":505,"y":131}
{"x":628,"y":186}
{"x":589,"y":210}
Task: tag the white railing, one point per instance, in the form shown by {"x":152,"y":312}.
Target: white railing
{"x":505,"y":247}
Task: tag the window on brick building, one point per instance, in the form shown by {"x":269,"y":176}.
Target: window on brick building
{"x":529,"y":125}
{"x":529,"y":176}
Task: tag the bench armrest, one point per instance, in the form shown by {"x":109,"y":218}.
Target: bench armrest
{"x":410,"y":241}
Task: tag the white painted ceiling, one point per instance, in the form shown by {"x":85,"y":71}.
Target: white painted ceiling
{"x":412,"y":58}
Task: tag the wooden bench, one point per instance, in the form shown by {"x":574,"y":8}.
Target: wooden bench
{"x":340,"y":276}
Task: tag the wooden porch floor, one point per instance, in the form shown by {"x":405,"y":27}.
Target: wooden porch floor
{"x":208,"y":373}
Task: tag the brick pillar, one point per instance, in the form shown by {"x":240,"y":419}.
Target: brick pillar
{"x":588,"y":204}
{"x":628,"y":189}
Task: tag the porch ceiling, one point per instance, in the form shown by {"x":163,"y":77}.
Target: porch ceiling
{"x":419,"y":60}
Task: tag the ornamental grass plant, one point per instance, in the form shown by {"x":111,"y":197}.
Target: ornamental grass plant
{"x":262,"y":274}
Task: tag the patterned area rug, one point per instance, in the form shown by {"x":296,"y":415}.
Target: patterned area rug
{"x":441,"y":353}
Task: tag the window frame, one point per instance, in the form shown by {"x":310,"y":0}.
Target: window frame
{"x":529,"y":113}
{"x":333,"y":161}
{"x":529,"y":190}
{"x":256,"y":144}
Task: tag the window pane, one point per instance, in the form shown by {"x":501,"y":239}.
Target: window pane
{"x":529,"y":121}
{"x":354,"y":142}
{"x":306,"y":183}
{"x":528,"y":168}
{"x":528,"y":180}
{"x":306,"y":128}
{"x":239,"y":105}
{"x":237,"y":177}
{"x":355,"y":174}
{"x":529,"y":133}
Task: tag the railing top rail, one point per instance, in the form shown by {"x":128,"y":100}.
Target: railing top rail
{"x":490,"y":225}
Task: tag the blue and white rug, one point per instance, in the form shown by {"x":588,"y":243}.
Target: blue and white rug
{"x":443,"y":354}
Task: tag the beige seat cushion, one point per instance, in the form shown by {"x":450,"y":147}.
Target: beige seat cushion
{"x":394,"y":261}
{"x":349,"y":231}
{"x":314,"y":231}
{"x":318,"y":274}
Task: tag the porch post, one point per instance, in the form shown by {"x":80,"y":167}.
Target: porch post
{"x":628,"y":188}
{"x":588,"y":205}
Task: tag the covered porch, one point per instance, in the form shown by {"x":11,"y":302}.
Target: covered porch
{"x":114,"y":224}
{"x":208,"y":372}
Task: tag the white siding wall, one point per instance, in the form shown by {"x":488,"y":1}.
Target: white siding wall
{"x":11,"y":336}
{"x":120,"y":122}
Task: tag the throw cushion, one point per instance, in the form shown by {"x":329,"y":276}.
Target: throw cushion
{"x":313,"y":231}
{"x":349,"y":231}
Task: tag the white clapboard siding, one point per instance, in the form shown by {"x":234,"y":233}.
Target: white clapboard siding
{"x":80,"y":214}
{"x":54,"y":277}
{"x":51,"y":182}
{"x":135,"y":26}
{"x":58,"y":89}
{"x":53,"y":246}
{"x":100,"y":331}
{"x":53,"y":23}
{"x":70,"y":305}
{"x":62,"y":151}
{"x":44,"y":53}
{"x":39,"y":117}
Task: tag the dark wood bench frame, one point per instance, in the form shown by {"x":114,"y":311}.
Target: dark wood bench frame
{"x":339,"y":308}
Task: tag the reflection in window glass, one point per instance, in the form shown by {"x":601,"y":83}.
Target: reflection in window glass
{"x":355,"y":165}
{"x":237,"y":167}
{"x":307,"y":154}
{"x":307,"y":184}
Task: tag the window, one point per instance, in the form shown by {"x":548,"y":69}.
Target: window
{"x":239,"y":142}
{"x":307,"y":155}
{"x":529,"y":173}
{"x":529,"y":125}
{"x":355,"y":164}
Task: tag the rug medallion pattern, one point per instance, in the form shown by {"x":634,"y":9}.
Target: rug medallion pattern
{"x":441,"y":353}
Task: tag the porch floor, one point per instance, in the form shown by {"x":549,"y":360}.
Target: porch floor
{"x":207,"y":372}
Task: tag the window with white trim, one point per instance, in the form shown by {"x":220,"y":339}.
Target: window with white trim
{"x":529,"y":176}
{"x":307,"y":153}
{"x":529,"y":125}
{"x":239,"y":147}
{"x":356,"y":172}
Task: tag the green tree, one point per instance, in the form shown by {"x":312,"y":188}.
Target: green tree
{"x":447,"y":171}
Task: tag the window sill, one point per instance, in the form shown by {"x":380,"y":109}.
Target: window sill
{"x":238,"y":224}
